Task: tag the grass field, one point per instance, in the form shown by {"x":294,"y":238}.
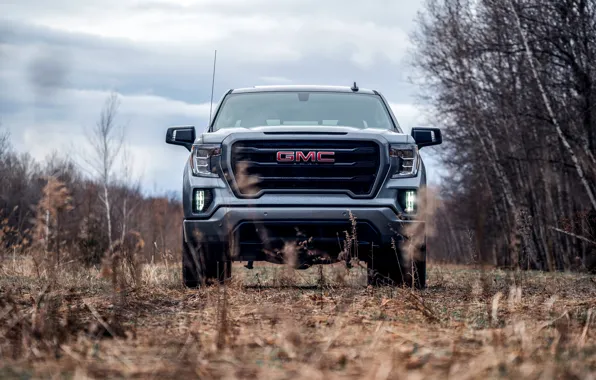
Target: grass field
{"x":275,"y":322}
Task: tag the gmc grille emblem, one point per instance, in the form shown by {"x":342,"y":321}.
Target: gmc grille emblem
{"x":299,"y":156}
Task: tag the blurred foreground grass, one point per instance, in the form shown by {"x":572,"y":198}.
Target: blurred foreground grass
{"x":276,"y":322}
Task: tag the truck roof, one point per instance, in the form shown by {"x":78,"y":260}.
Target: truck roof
{"x":308,"y":88}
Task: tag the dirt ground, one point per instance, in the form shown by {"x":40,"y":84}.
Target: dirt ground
{"x":277,"y":323}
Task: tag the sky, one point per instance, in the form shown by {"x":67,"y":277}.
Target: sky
{"x":60,"y":59}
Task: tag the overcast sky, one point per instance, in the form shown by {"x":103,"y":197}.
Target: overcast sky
{"x":60,"y":59}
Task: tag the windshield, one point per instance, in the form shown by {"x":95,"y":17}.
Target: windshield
{"x":249,"y":110}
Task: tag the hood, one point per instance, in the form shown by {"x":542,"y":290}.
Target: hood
{"x":271,"y":132}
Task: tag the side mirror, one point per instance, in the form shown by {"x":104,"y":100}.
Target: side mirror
{"x":427,"y":136}
{"x":184,"y":136}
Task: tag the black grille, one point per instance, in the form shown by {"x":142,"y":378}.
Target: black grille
{"x":355,"y":167}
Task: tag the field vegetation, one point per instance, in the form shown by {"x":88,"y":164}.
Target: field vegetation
{"x":277,"y":322}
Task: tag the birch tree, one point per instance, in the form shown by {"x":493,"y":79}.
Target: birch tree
{"x":28,"y":211}
{"x":551,"y":114}
{"x":513,"y":85}
{"x":106,"y":139}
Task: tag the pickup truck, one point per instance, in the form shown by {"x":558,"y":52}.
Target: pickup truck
{"x":303,"y":175}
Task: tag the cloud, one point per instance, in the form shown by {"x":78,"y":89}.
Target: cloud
{"x":408,"y":115}
{"x":59,"y":61}
{"x":61,"y":127}
{"x":275,"y":80}
{"x":255,"y":31}
{"x":183,"y":72}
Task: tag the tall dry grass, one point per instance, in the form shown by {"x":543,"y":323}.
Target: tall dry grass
{"x":277,"y":322}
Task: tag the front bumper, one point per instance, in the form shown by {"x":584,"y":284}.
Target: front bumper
{"x":243,"y":227}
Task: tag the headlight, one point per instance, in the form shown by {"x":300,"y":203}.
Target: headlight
{"x":202,"y":159}
{"x":406,"y":160}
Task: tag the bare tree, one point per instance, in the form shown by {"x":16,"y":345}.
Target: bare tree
{"x":551,"y":114}
{"x":514,"y":86}
{"x":106,"y":139}
{"x":79,"y":225}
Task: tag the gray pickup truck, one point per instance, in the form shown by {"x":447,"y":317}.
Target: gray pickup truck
{"x":302,"y":174}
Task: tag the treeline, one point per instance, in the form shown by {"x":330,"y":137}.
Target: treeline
{"x":51,"y":205}
{"x":513,"y":84}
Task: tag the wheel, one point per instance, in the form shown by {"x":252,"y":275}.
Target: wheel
{"x":204,"y":264}
{"x":387,"y":266}
{"x":384,"y":267}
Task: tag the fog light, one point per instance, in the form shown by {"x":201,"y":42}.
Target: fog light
{"x":202,"y":199}
{"x":410,"y":201}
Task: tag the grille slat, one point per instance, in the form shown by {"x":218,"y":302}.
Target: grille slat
{"x":359,"y":150}
{"x":361,"y":164}
{"x":322,"y":179}
{"x":354,"y":170}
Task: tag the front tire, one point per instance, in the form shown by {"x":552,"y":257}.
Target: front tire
{"x":204,"y":264}
{"x":387,"y":266}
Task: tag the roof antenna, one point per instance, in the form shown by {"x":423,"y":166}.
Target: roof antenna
{"x":212,"y":86}
{"x":354,"y":87}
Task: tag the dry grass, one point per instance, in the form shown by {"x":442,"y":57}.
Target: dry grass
{"x":275,"y":322}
